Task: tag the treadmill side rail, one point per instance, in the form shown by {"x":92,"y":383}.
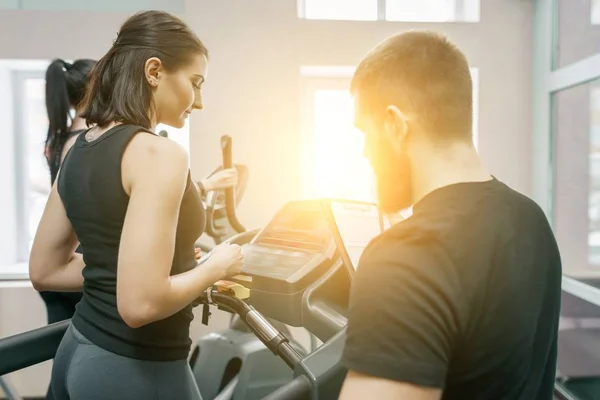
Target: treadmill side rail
{"x":323,"y":368}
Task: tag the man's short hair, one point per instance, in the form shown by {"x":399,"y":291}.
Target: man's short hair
{"x":426,"y":76}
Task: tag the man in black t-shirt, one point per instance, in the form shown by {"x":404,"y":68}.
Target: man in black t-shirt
{"x":462,"y":299}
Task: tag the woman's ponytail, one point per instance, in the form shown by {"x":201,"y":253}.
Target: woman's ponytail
{"x":58,"y":107}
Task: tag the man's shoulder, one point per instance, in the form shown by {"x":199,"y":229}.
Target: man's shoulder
{"x":402,"y":250}
{"x":517,"y":216}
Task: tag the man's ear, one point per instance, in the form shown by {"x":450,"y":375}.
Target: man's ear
{"x":152,"y":71}
{"x":395,"y":127}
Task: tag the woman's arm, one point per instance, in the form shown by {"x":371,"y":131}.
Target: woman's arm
{"x":219,"y":180}
{"x":155,"y":176}
{"x":53,"y":265}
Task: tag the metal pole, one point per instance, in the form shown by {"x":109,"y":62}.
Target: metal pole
{"x":8,"y":389}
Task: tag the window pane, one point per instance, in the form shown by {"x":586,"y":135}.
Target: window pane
{"x":432,"y":10}
{"x":36,"y":127}
{"x":577,"y":178}
{"x":9,"y":4}
{"x":355,"y":10}
{"x":578,"y":35}
{"x":578,"y":351}
{"x":339,"y":168}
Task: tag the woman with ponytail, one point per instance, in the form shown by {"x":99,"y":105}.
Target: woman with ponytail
{"x":65,"y":88}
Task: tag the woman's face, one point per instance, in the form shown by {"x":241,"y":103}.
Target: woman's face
{"x":177,"y":93}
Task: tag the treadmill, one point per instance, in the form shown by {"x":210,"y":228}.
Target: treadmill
{"x":298,"y":269}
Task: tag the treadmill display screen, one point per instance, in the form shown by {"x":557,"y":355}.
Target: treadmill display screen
{"x":298,"y":227}
{"x":357,"y":225}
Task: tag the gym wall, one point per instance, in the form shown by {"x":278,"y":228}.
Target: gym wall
{"x":252,"y":91}
{"x":253,"y":94}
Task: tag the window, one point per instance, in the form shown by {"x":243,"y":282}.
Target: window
{"x":24,"y":171}
{"x":578,"y":31}
{"x":9,"y":4}
{"x":32,"y":177}
{"x":356,"y":10}
{"x":432,"y":10}
{"x":339,"y":169}
{"x":334,"y":165}
{"x":391,"y":10}
{"x":34,"y":121}
{"x":566,"y":174}
{"x":595,"y":20}
{"x":577,"y":179}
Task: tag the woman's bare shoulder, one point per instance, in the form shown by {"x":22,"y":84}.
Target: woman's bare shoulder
{"x":149,"y":156}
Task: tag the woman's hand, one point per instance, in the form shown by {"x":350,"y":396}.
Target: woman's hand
{"x":225,"y":261}
{"x":223,"y":179}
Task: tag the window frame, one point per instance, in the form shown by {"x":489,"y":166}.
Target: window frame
{"x":15,"y":265}
{"x":459,"y":9}
{"x":547,"y":81}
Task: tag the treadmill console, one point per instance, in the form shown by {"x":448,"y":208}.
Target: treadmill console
{"x":302,"y":262}
{"x":356,"y":224}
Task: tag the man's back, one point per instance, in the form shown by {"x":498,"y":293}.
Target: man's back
{"x":465,"y":296}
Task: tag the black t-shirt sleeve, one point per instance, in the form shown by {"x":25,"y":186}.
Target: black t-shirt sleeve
{"x":403,"y":318}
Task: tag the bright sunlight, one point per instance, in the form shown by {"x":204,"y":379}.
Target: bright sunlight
{"x":336,"y":167}
{"x":339,"y":169}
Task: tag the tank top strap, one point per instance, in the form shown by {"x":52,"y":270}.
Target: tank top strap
{"x":107,"y":150}
{"x":118,"y":136}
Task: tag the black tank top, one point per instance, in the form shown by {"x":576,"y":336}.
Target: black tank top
{"x":92,"y":192}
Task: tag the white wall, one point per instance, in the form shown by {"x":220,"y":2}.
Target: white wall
{"x":253,"y":92}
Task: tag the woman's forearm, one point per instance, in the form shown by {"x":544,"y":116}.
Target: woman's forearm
{"x":66,"y":278}
{"x":182,"y":290}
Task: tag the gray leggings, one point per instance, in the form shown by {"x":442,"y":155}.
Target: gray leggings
{"x":84,"y":371}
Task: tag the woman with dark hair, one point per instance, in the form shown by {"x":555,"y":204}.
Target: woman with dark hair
{"x":65,"y":89}
{"x":126,"y":195}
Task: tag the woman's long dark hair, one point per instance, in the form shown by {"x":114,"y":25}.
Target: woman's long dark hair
{"x":65,"y":88}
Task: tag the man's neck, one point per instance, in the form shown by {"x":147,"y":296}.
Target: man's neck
{"x":457,"y":164}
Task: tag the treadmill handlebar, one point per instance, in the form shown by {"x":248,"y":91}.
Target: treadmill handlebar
{"x":275,"y":341}
{"x":226,"y":148}
{"x":30,"y":348}
{"x":298,"y":388}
